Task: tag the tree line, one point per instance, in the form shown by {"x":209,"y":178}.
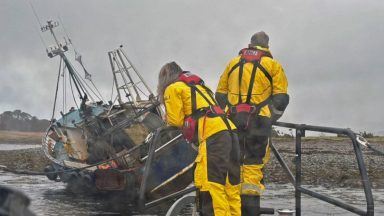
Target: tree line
{"x":21,"y":121}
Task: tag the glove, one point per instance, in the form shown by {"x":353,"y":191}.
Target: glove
{"x":221,"y":99}
{"x":275,"y":113}
{"x":279,"y":103}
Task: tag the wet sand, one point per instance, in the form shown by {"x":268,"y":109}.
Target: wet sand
{"x":31,"y":159}
{"x":51,"y":198}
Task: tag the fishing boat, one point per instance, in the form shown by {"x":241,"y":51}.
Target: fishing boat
{"x":121,"y":145}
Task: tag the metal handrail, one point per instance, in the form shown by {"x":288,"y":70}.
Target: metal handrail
{"x":148,"y":162}
{"x":296,"y":180}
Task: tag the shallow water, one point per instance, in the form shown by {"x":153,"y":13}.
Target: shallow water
{"x":282,"y":196}
{"x":51,"y":198}
{"x":7,"y":147}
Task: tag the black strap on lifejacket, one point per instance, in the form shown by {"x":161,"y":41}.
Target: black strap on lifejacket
{"x":267,"y":54}
{"x":210,"y":93}
{"x":191,"y":79}
{"x":251,"y":82}
{"x":265,"y":72}
{"x":256,"y":64}
{"x":233,"y":68}
{"x":193,"y":98}
{"x":241,"y":68}
{"x":200,"y":112}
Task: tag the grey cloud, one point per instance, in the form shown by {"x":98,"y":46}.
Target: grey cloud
{"x":331,"y":50}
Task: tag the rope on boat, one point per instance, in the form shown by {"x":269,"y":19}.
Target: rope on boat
{"x":81,"y":63}
{"x":362,"y":141}
{"x":57,"y":88}
{"x":377,"y":151}
{"x":73,"y":94}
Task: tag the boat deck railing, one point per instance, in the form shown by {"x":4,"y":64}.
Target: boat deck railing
{"x":296,"y":179}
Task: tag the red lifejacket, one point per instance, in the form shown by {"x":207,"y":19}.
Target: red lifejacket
{"x":190,"y":127}
{"x":252,"y":54}
{"x":190,"y":78}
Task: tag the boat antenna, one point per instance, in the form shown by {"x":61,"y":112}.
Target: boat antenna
{"x":78,"y":58}
{"x":60,"y":49}
{"x":39,"y":22}
{"x":66,"y":33}
{"x":34,"y":12}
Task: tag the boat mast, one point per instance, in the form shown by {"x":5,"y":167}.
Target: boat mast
{"x":128,"y":81}
{"x":59,"y":49}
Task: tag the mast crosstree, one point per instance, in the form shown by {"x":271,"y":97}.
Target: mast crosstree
{"x":59,"y":48}
{"x":127,"y":80}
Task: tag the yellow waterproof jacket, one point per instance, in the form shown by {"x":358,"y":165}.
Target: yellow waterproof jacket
{"x":178,"y":105}
{"x":229,"y":83}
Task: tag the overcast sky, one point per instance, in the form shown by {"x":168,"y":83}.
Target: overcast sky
{"x":331,"y":50}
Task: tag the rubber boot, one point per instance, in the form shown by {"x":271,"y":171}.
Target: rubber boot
{"x":198,"y":202}
{"x":205,"y":204}
{"x":250,"y":205}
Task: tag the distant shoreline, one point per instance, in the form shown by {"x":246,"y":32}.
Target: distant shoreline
{"x":18,"y":137}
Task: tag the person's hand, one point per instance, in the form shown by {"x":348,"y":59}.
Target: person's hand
{"x":275,"y":113}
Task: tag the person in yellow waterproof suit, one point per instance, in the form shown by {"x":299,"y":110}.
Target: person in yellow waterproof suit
{"x":217,"y":172}
{"x":265,"y":98}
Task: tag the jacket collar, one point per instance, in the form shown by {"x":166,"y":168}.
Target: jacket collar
{"x":266,"y":50}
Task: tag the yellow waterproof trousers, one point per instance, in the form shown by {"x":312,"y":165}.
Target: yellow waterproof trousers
{"x":217,"y":175}
{"x":252,"y":176}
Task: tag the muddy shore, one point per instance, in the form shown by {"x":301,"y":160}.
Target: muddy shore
{"x":325,"y":162}
{"x":32,"y":159}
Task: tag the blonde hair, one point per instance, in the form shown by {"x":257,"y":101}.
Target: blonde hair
{"x":168,"y":74}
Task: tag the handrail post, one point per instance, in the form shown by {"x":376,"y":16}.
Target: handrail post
{"x":299,"y":133}
{"x":143,"y":186}
{"x":363,"y":173}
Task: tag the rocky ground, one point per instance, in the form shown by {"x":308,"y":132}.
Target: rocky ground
{"x":326,"y":162}
{"x":32,"y":159}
